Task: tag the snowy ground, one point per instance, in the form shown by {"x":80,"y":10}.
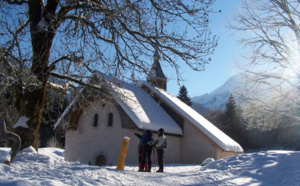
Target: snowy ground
{"x":49,"y":168}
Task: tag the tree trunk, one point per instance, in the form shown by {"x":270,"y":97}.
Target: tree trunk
{"x":41,"y":40}
{"x":33,"y":110}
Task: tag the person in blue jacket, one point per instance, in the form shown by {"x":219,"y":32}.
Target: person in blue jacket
{"x":145,"y":150}
{"x":148,"y":145}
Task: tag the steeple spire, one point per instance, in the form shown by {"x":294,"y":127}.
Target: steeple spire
{"x":156,"y":56}
{"x":156,"y":76}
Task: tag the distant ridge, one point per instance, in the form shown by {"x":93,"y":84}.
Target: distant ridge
{"x":217,"y":99}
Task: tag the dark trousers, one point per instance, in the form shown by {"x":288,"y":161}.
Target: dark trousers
{"x":147,"y":155}
{"x":141,"y":154}
{"x":160,"y":158}
{"x":142,"y":158}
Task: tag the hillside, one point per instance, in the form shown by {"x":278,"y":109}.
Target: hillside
{"x":217,"y":99}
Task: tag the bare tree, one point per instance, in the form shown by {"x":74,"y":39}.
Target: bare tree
{"x":269,"y":32}
{"x":65,"y":41}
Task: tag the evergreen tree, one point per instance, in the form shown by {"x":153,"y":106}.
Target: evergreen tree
{"x":231,"y":109}
{"x":233,"y":122}
{"x":183,"y":96}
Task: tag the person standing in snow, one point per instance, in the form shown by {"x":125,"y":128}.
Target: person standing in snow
{"x":141,"y":150}
{"x":160,"y":145}
{"x":148,"y":149}
{"x":144,"y":150}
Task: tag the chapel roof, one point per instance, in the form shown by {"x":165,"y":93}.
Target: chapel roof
{"x":147,"y":114}
{"x":144,"y":110}
{"x":210,"y":130}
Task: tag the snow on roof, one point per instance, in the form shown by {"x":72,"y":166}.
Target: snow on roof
{"x":144,"y":110}
{"x":66,"y":111}
{"x":215,"y":134}
{"x":139,"y":106}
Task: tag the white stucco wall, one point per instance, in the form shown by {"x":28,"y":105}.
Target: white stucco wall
{"x":88,"y":142}
{"x":200,"y":145}
{"x":196,"y":147}
{"x":223,"y":154}
{"x":172,"y":152}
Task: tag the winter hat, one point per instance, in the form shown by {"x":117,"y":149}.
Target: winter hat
{"x":149,"y":133}
{"x":161,"y":130}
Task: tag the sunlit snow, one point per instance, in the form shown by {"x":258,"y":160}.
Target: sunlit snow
{"x":47,"y":167}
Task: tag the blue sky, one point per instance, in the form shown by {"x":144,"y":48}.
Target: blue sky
{"x":221,"y":68}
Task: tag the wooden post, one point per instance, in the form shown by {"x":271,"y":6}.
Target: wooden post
{"x":123,"y":153}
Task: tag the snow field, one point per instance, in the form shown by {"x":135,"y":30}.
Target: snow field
{"x":47,"y":167}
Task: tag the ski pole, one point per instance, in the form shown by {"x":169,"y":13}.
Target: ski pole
{"x":154,"y":156}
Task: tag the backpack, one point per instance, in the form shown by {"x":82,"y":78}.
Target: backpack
{"x":165,"y":144}
{"x":151,"y":142}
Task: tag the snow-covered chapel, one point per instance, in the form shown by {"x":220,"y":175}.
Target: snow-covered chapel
{"x":94,"y":134}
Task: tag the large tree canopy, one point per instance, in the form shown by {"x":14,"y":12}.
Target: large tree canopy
{"x":269,"y":31}
{"x":64,"y":41}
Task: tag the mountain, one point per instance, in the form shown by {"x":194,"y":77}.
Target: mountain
{"x":217,"y":99}
{"x":199,"y":108}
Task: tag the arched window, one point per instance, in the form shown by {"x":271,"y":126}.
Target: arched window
{"x":95,"y":124}
{"x":110,"y":119}
{"x":101,"y":160}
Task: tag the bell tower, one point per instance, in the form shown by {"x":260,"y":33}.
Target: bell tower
{"x":156,"y":76}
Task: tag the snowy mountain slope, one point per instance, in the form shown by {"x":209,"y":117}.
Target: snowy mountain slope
{"x":218,"y":98}
{"x":267,"y":89}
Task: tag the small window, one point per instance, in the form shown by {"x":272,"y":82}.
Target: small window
{"x":95,"y":124}
{"x":110,"y":119}
{"x":101,"y":160}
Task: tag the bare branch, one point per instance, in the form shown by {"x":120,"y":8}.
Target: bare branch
{"x":16,"y":2}
{"x":75,"y":80}
{"x":113,"y":37}
{"x":59,"y":88}
{"x":270,"y":35}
